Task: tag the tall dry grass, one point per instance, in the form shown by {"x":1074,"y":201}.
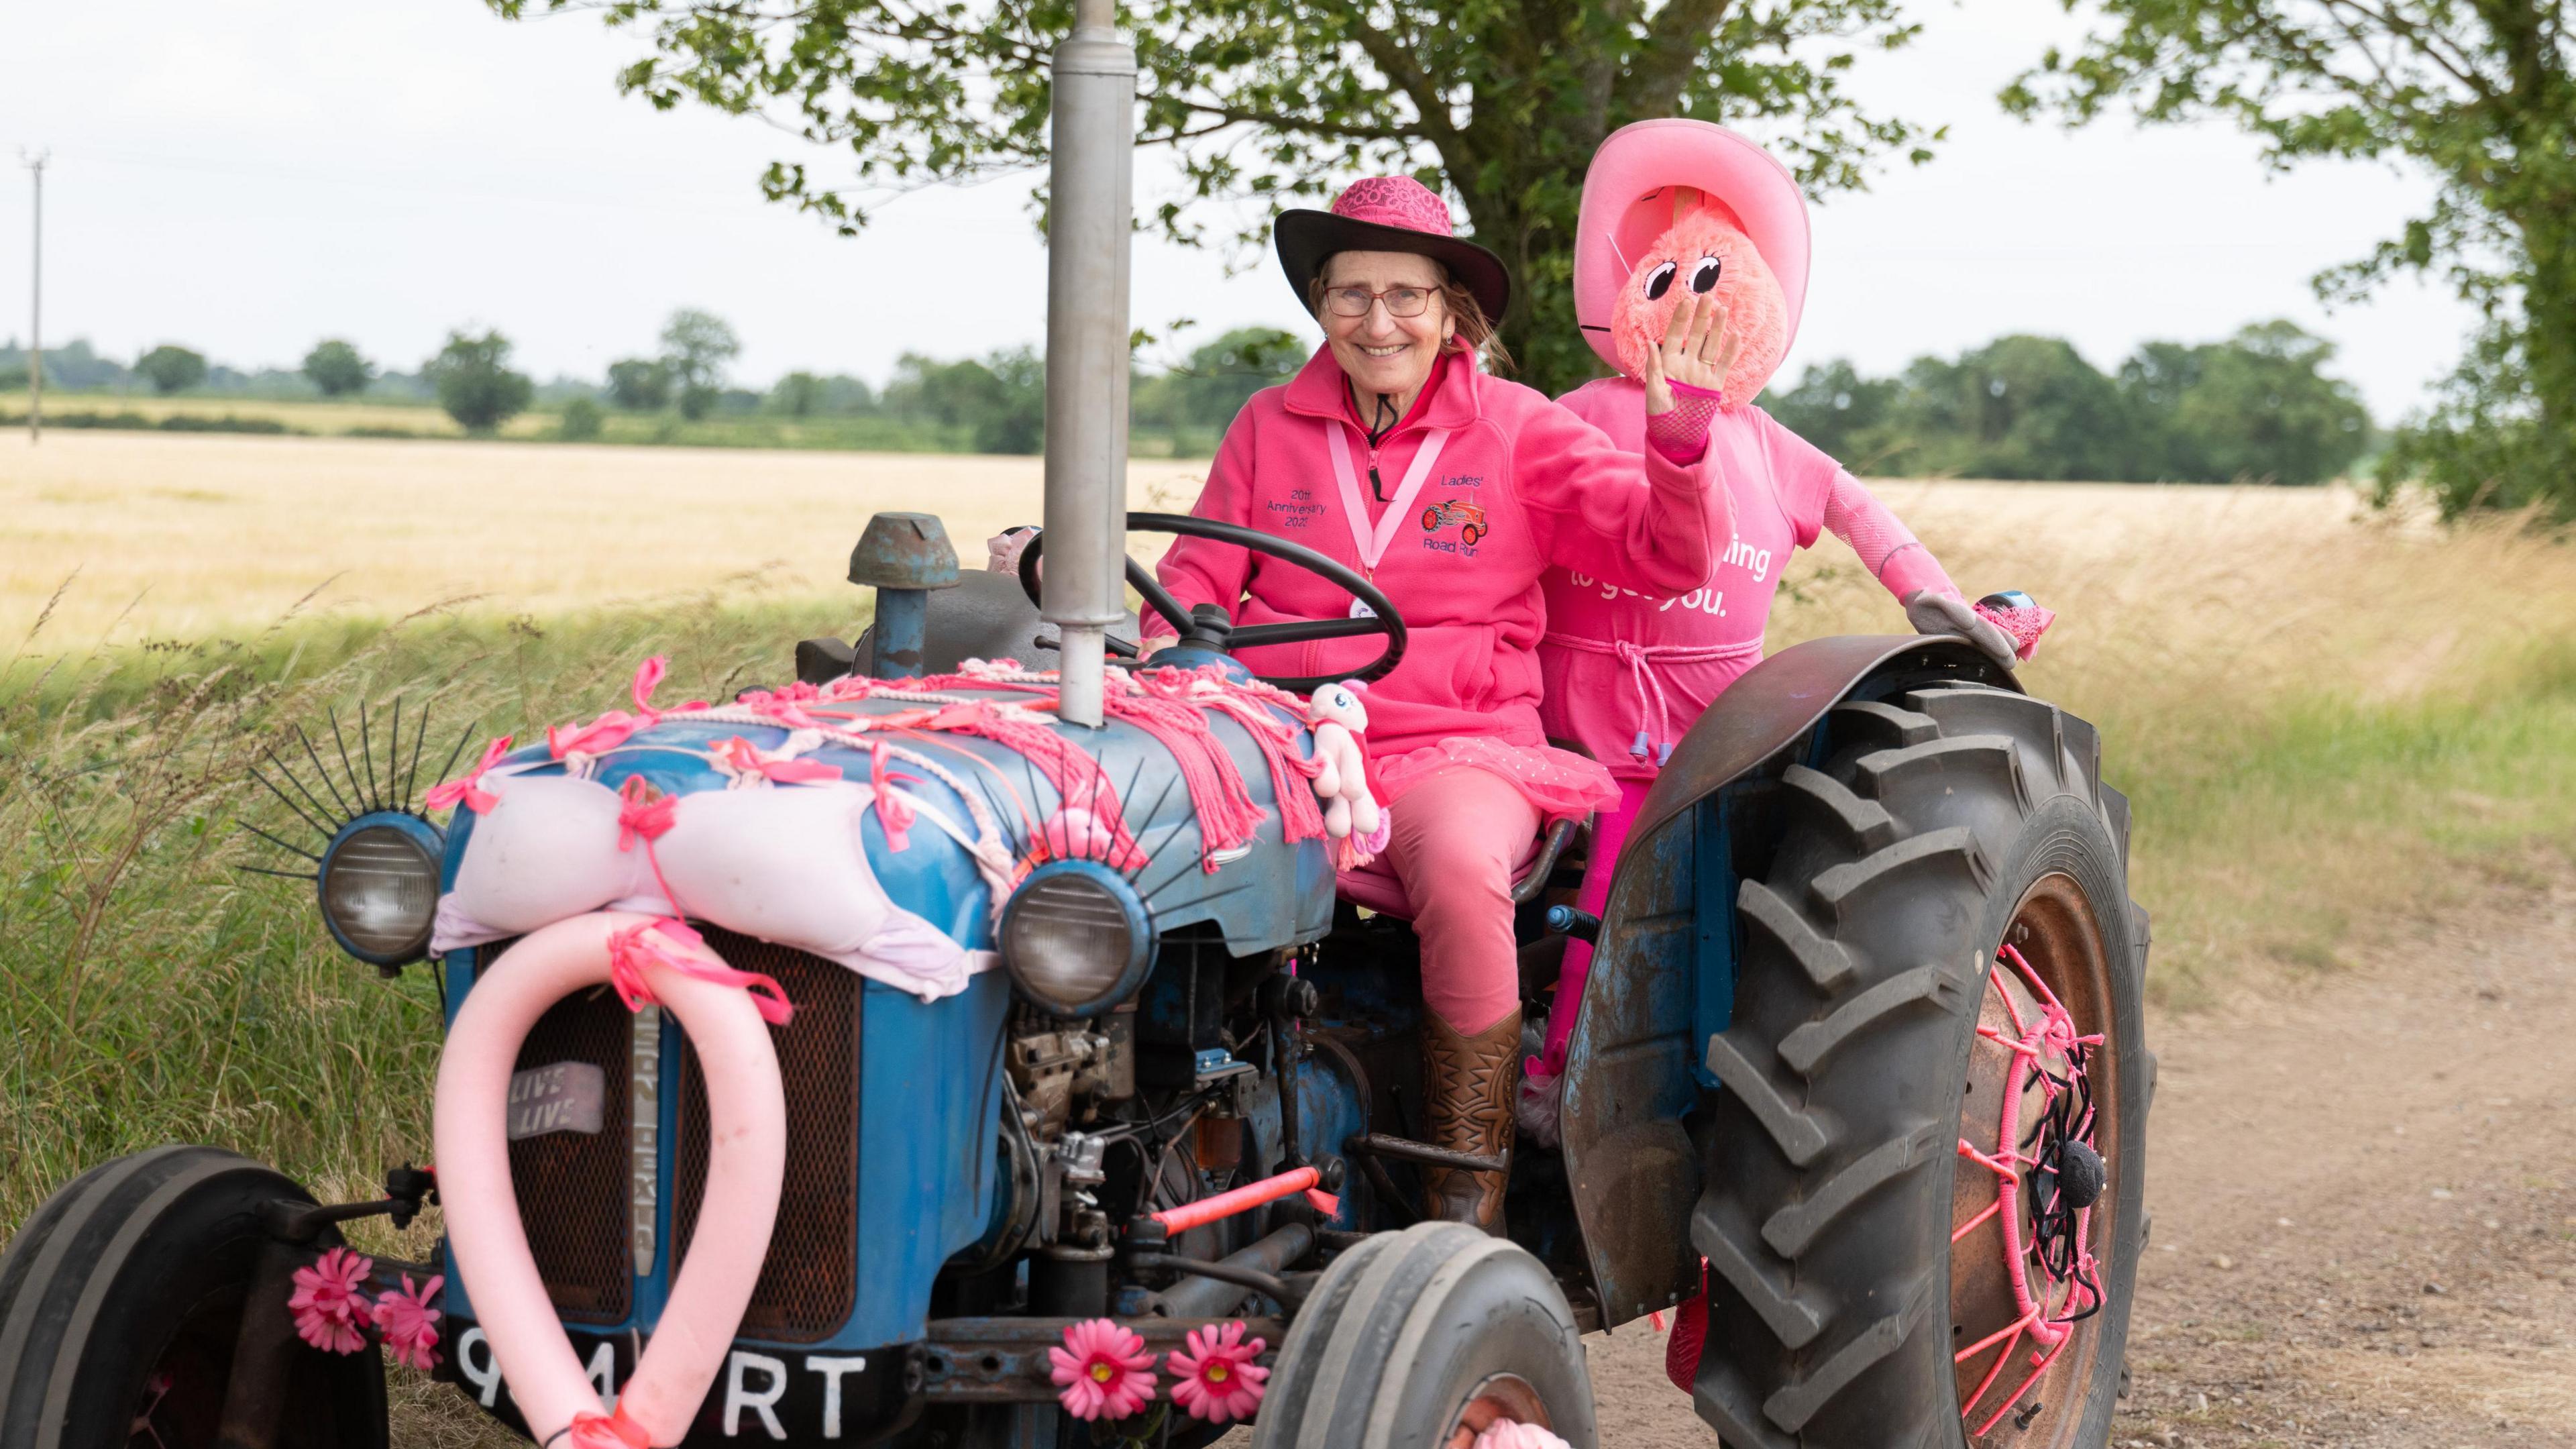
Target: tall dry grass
{"x":2324,"y":714}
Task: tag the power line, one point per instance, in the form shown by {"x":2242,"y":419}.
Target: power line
{"x":35,"y":163}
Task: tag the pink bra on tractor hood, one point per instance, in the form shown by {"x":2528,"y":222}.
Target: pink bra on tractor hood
{"x":785,"y":863}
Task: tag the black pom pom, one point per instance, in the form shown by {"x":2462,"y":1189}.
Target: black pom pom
{"x":2080,"y":1175}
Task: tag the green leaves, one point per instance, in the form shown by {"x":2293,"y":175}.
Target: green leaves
{"x":1271,"y":103}
{"x":2478,"y":94}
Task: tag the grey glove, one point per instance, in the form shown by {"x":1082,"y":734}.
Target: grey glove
{"x":1932,"y":613}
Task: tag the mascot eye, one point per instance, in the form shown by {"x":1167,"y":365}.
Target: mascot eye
{"x":1704,"y":276}
{"x":1659,"y":281}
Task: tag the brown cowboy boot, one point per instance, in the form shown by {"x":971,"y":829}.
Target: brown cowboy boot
{"x":1470,"y":1081}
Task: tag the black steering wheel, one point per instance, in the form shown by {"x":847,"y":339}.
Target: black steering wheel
{"x":1210,"y":627}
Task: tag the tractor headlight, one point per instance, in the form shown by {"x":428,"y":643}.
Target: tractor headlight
{"x":379,"y":888}
{"x":1076,"y":938}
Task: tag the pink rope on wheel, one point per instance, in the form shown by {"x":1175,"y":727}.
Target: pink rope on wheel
{"x":2076,"y":1285}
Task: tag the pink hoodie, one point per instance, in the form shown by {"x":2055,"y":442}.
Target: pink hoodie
{"x":1517,"y":485}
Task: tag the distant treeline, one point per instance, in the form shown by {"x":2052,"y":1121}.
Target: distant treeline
{"x":2255,"y":407}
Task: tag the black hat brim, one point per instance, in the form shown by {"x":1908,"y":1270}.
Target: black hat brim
{"x":1305,"y":238}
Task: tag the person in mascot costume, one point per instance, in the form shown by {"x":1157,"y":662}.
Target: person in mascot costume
{"x":1674,"y":209}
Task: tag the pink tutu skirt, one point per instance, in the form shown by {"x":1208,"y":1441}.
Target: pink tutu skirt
{"x":1559,"y":784}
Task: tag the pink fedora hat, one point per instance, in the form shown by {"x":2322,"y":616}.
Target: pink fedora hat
{"x":1628,"y":201}
{"x":1389,"y":214}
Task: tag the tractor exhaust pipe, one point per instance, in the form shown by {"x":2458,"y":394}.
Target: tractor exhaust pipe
{"x":1089,"y":212}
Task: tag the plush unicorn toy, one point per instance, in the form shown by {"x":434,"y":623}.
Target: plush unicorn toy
{"x":1351,"y":810}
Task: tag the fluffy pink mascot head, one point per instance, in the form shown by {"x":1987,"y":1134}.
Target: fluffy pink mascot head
{"x":1706,"y":253}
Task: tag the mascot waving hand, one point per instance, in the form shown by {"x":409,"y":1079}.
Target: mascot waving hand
{"x":1673,"y":210}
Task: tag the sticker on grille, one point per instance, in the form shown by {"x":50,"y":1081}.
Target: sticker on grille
{"x":572,"y":1186}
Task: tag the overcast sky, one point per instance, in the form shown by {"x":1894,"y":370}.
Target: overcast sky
{"x":249,"y":176}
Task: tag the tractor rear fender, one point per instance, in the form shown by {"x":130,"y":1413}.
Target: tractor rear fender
{"x":1663,"y":973}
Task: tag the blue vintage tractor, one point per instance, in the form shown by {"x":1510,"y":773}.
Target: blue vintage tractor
{"x":1859,"y":1057}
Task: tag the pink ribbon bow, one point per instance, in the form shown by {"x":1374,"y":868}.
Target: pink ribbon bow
{"x":631,"y":950}
{"x":469,"y":787}
{"x":739,"y":756}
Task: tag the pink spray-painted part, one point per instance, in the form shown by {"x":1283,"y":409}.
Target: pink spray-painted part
{"x":330,"y":1313}
{"x":747,"y":1134}
{"x":1511,"y":1434}
{"x":1103,"y":1370}
{"x":1628,"y":203}
{"x":2025,"y":623}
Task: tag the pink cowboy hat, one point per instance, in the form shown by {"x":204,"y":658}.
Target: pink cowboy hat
{"x":1389,"y":214}
{"x":1628,"y":202}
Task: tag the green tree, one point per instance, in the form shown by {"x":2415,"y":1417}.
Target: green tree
{"x":1273,"y":101}
{"x":2255,"y":407}
{"x":581,"y":421}
{"x":798,"y":395}
{"x":170,"y":368}
{"x":1841,"y":412}
{"x":474,"y":382}
{"x":2479,"y":93}
{"x":696,"y":347}
{"x":337,"y":368}
{"x":639,"y":385}
{"x":2018,"y":407}
{"x":999,"y":400}
{"x":1224,"y":374}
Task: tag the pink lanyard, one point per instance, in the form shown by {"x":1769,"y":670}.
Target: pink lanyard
{"x":1372,"y":547}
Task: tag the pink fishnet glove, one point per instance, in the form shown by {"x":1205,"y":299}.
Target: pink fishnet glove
{"x":1681,"y":435}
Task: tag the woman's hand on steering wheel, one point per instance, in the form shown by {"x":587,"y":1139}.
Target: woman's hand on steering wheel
{"x":1376,"y":616}
{"x":1700,"y":344}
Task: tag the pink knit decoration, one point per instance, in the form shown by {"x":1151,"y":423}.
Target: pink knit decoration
{"x":1103,"y":1370}
{"x":330,"y":1313}
{"x":409,"y":1324}
{"x":1395,"y":201}
{"x":1216,"y":1379}
{"x":2024,"y":624}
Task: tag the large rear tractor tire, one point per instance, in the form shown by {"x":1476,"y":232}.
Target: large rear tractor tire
{"x":1413,"y":1337}
{"x":121,"y":1302}
{"x":1948,"y":898}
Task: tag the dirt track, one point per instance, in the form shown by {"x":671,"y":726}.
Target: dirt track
{"x":2364,"y":1197}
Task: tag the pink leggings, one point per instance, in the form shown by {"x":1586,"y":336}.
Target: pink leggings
{"x":1457,"y":836}
{"x":1608,"y":834}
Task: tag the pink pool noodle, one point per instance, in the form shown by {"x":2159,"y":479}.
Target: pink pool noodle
{"x":747,"y":1158}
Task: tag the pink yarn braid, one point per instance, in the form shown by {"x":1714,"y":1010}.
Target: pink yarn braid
{"x":1075,"y":775}
{"x":1227,"y":813}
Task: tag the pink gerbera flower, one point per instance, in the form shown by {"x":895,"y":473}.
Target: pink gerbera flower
{"x":1104,"y":1371}
{"x":330,"y":1312}
{"x":1221,"y":1383}
{"x":410,"y":1325}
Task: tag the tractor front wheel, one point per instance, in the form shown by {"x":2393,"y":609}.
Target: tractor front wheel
{"x":121,"y":1307}
{"x":1420,"y":1339}
{"x":1923,"y":1212}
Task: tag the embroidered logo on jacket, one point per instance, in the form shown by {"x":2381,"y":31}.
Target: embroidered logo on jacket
{"x":1469,"y":517}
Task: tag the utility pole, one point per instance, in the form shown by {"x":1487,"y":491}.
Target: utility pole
{"x":35,"y":161}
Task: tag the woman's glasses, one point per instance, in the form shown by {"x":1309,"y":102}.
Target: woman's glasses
{"x":1356,"y":301}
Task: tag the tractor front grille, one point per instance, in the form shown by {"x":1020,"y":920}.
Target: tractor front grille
{"x":573,"y":1187}
{"x":809,"y":1283}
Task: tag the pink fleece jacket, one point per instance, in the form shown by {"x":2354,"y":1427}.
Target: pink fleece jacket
{"x":1517,"y":486}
